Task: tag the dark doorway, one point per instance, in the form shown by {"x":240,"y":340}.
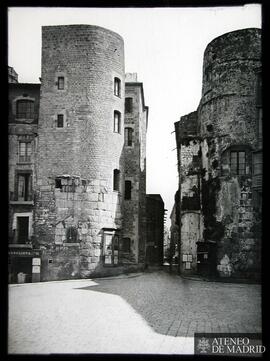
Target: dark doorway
{"x":20,"y":264}
{"x":111,"y":244}
{"x":22,"y":229}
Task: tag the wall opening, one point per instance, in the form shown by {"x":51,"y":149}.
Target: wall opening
{"x":116,"y":179}
{"x":128,"y":188}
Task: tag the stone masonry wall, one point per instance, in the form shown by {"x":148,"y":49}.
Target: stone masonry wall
{"x":135,"y":163}
{"x":189,"y":156}
{"x":84,"y":153}
{"x":227,"y":122}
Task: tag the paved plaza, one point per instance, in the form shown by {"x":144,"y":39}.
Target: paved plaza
{"x":152,"y":312}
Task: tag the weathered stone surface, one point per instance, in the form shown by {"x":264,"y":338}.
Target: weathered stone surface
{"x":89,"y":58}
{"x":72,"y":166}
{"x":226,"y":121}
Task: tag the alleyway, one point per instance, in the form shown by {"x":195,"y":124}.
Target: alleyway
{"x":141,"y":313}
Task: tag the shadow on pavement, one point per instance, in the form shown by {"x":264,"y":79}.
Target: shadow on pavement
{"x":171,"y":304}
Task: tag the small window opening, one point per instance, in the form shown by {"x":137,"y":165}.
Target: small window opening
{"x":25,"y":109}
{"x":128,"y":105}
{"x":128,"y":136}
{"x":25,"y":151}
{"x":128,"y":187}
{"x":60,"y":82}
{"x":22,"y":230}
{"x":24,"y":189}
{"x":257,"y":164}
{"x":117,"y":122}
{"x":58,"y":183}
{"x":116,"y":179}
{"x":117,"y":87}
{"x":72,"y":235}
{"x":238,"y":162}
{"x":60,"y":120}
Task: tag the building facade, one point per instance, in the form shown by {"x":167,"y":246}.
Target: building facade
{"x":219,"y":149}
{"x":86,"y":166}
{"x":155,"y":230}
{"x":134,"y":203}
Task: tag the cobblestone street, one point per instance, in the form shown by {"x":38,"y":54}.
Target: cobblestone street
{"x":140,"y":313}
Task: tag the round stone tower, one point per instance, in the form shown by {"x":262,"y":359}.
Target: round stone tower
{"x":230,"y":70}
{"x":229,"y":120}
{"x":81,"y":137}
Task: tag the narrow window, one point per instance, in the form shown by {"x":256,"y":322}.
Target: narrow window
{"x":25,"y":151}
{"x":22,"y":230}
{"x":60,"y":120}
{"x":24,"y":189}
{"x":125,"y":244}
{"x":25,"y":109}
{"x":238,"y":162}
{"x":128,"y":105}
{"x":116,"y":179}
{"x":60,"y":82}
{"x":128,"y":136}
{"x":72,"y":235}
{"x":117,"y":87}
{"x":117,"y":122}
{"x":257,"y":163}
{"x":58,"y":183}
{"x":128,"y":187}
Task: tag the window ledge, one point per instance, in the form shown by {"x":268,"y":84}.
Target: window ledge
{"x":24,"y":119}
{"x":19,"y":245}
{"x":30,"y":203}
{"x":117,"y":192}
{"x":67,"y":244}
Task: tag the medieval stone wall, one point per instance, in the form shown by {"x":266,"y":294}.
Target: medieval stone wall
{"x":76,"y":162}
{"x":79,"y":222}
{"x":227,"y":126}
{"x":228,"y":118}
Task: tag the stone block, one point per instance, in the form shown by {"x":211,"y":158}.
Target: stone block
{"x":92,"y":197}
{"x":89,"y":239}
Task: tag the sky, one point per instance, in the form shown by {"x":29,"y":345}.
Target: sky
{"x":164,"y":46}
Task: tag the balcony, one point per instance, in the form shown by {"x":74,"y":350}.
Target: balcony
{"x":14,"y":199}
